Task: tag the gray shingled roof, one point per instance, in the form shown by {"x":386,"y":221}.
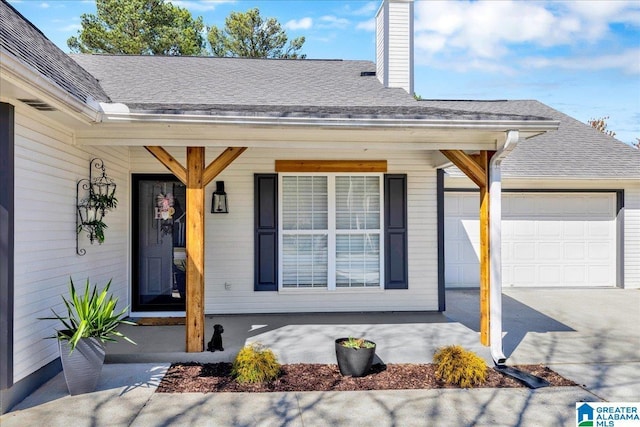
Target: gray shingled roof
{"x":262,"y":87}
{"x":23,"y":40}
{"x":171,"y":80}
{"x":575,"y":150}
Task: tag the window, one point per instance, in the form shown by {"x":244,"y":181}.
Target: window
{"x":331,"y":234}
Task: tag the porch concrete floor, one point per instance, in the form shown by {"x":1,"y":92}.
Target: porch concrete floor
{"x":548,"y":326}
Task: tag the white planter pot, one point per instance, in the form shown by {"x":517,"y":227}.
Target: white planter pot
{"x":83,"y":366}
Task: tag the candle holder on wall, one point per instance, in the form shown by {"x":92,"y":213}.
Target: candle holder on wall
{"x":95,"y":196}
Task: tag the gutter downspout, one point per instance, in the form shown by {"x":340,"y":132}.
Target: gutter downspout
{"x":495,"y":246}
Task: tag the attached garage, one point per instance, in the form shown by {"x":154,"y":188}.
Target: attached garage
{"x":549,"y":239}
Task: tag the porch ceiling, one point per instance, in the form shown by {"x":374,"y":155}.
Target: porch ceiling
{"x":307,"y":133}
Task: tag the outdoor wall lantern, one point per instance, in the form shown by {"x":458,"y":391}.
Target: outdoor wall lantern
{"x":219,"y":199}
{"x":95,"y":196}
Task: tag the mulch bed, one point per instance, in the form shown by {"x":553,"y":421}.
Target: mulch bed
{"x":216,"y":377}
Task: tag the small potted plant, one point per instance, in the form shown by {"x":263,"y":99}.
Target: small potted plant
{"x":90,"y":321}
{"x":355,"y":356}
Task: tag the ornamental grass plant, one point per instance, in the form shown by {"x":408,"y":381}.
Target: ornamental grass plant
{"x":458,"y":366}
{"x":90,"y":315}
{"x":255,"y":364}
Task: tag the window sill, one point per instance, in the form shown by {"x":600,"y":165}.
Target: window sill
{"x":332,"y":291}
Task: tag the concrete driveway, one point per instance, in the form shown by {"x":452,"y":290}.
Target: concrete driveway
{"x":591,"y":336}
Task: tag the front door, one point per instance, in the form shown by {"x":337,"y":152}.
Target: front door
{"x":159,"y":256}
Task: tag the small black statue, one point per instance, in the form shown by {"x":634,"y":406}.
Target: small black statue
{"x":216,"y":339}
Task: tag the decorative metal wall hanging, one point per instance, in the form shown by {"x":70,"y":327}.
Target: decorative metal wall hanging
{"x":95,"y":196}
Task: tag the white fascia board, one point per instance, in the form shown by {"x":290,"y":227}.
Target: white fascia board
{"x":529,"y":126}
{"x":29,"y":79}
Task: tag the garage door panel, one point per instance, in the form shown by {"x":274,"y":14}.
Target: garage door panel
{"x":574,"y":230}
{"x":523,"y":252}
{"x":575,"y":275}
{"x":524,"y":274}
{"x":550,"y":230}
{"x":598,"y":229}
{"x":519,"y":206}
{"x":524,"y":230}
{"x":549,"y":239}
{"x":574,"y":251}
{"x":549,"y":251}
{"x":599,"y":251}
{"x":549,"y":275}
{"x":599,"y":274}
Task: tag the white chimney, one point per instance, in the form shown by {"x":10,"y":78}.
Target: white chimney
{"x":394,"y":44}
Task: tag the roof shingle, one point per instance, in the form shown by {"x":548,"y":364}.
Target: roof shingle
{"x":575,"y":150}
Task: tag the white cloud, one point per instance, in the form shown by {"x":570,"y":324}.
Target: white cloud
{"x":299,"y":24}
{"x":331,"y":21}
{"x":369,"y":25}
{"x":70,"y":28}
{"x":485,"y":32}
{"x":369,"y":9}
{"x":628,"y":61}
{"x":45,"y":5}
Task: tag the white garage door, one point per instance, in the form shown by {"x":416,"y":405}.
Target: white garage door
{"x":548,"y":239}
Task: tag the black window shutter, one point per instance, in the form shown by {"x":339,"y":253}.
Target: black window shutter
{"x":395,"y":231}
{"x":266,"y":232}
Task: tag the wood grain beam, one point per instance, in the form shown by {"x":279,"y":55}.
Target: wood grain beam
{"x":169,"y":162}
{"x":221,"y":163}
{"x":485,"y":250}
{"x":195,"y":250}
{"x":327,"y":166}
{"x":467,"y":165}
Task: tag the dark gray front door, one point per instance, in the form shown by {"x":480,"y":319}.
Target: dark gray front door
{"x":159,"y":243}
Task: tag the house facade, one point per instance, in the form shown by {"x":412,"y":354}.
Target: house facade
{"x":334,"y":175}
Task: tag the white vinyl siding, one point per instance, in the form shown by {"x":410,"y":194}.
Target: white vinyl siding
{"x":331,"y":231}
{"x":394,"y":45}
{"x":230,"y":238}
{"x":631,"y":245}
{"x":47,"y":167}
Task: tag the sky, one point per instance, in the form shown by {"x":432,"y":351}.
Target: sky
{"x":579,"y":57}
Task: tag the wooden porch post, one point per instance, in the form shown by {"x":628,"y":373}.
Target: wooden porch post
{"x":485,"y":251}
{"x":195,"y":250}
{"x":476,"y":167}
{"x":196,"y":178}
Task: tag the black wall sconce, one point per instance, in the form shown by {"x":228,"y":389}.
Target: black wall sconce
{"x":94,"y":197}
{"x":219,"y":203}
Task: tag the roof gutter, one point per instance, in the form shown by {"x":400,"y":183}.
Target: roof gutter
{"x":495,"y":246}
{"x":28,"y":78}
{"x":119,"y":113}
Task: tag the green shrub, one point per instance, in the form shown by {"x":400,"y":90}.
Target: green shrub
{"x":356,"y":343}
{"x":255,"y":364}
{"x":458,"y":366}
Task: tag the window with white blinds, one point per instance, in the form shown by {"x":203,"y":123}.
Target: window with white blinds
{"x":331,"y":234}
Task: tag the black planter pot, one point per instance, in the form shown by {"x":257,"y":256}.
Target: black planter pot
{"x":354,"y":362}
